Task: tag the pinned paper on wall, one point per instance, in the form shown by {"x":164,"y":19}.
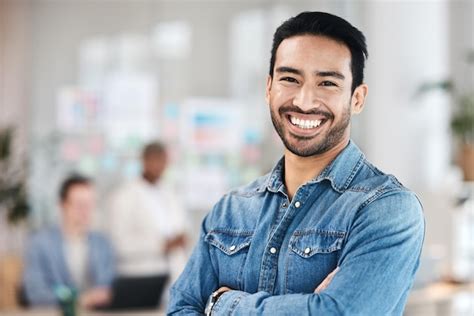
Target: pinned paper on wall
{"x":211,"y":125}
{"x":70,"y":150}
{"x":130,"y":102}
{"x":170,"y":130}
{"x":77,"y":109}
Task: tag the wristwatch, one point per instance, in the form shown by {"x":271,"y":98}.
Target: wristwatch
{"x":212,"y":301}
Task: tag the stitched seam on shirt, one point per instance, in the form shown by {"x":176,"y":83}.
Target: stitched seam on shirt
{"x":235,"y":302}
{"x":354,"y":172}
{"x":398,"y":183}
{"x":373,"y":168}
{"x":225,"y":250}
{"x":381,"y":191}
{"x":287,"y":268}
{"x":323,"y":232}
{"x":358,"y":189}
{"x":233,"y":232}
{"x":247,"y":194}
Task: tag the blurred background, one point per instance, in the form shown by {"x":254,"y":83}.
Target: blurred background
{"x":85,"y":84}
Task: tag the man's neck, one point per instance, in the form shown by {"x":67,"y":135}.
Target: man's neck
{"x":72,"y":231}
{"x":299,"y":170}
{"x":150,"y":179}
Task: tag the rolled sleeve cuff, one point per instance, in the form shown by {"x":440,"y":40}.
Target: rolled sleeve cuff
{"x":227,"y":302}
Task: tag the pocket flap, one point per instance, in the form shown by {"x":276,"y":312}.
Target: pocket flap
{"x":229,"y":241}
{"x":311,"y":242}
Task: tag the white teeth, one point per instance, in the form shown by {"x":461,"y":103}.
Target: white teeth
{"x":304,"y":123}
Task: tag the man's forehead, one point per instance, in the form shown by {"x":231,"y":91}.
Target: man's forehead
{"x":304,"y":51}
{"x":81,"y":189}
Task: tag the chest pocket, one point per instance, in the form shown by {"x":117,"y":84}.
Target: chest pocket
{"x":312,"y":255}
{"x":228,"y":251}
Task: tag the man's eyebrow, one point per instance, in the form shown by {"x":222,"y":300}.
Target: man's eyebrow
{"x":288,"y":69}
{"x":335,"y":74}
{"x":295,"y":71}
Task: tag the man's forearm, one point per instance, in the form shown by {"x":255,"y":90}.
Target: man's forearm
{"x":262,"y":303}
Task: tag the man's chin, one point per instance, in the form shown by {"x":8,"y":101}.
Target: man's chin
{"x":303,"y":151}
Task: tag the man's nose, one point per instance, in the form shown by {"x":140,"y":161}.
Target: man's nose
{"x":306,"y":98}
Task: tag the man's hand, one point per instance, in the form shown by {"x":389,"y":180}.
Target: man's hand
{"x":223,"y":289}
{"x":326,"y":281}
{"x":95,"y":298}
{"x":318,"y":290}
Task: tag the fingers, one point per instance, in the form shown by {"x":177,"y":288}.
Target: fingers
{"x":224,"y":289}
{"x":326,"y":281}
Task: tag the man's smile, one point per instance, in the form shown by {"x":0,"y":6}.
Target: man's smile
{"x":305,"y":124}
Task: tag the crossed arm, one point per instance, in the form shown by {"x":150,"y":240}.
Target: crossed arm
{"x":376,"y":270}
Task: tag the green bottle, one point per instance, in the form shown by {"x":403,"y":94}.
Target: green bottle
{"x":67,"y":299}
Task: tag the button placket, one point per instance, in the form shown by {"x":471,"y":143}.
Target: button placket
{"x":268,"y":272}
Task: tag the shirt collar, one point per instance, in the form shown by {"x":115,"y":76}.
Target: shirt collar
{"x":339,"y":172}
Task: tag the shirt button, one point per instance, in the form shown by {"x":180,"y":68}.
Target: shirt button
{"x":232,"y":248}
{"x":284,"y":205}
{"x":273,"y":250}
{"x":307,"y":250}
{"x":297,"y":204}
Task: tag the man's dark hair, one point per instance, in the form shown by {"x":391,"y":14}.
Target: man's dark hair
{"x":154,"y":148}
{"x":330,"y":26}
{"x":69,"y":182}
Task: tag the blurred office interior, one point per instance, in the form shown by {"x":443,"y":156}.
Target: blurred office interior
{"x":84,"y":84}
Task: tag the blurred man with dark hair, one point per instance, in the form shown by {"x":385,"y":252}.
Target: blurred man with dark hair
{"x":146,"y":219}
{"x":70,"y":255}
{"x":325,"y":232}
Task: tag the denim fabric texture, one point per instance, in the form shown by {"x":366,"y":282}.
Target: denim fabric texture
{"x":274,"y":252}
{"x":46,"y":267}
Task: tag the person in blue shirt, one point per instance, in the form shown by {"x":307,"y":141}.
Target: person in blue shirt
{"x":325,"y":232}
{"x":70,"y":255}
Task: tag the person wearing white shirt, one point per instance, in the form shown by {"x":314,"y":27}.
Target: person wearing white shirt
{"x":146,"y":221}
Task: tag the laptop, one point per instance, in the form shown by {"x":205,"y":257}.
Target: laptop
{"x":137,"y":292}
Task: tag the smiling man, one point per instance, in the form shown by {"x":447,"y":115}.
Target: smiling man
{"x":325,"y":232}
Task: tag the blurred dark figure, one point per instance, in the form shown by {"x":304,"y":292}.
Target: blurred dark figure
{"x":146,"y":219}
{"x":70,"y":255}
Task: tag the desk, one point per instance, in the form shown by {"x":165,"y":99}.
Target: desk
{"x":56,"y":312}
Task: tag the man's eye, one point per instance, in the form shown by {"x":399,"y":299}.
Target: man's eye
{"x":289,"y":79}
{"x":327,"y":84}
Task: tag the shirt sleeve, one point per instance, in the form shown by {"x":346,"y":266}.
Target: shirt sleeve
{"x":199,"y":279}
{"x":37,"y":289}
{"x":377,"y":268}
{"x":104,"y":261}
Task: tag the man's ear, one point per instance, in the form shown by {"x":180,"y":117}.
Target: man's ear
{"x":358,"y":98}
{"x":267,"y":89}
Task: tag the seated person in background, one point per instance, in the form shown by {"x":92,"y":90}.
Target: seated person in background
{"x":146,"y":220}
{"x":70,"y":255}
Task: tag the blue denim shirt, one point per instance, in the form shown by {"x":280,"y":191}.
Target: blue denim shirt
{"x":274,"y":252}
